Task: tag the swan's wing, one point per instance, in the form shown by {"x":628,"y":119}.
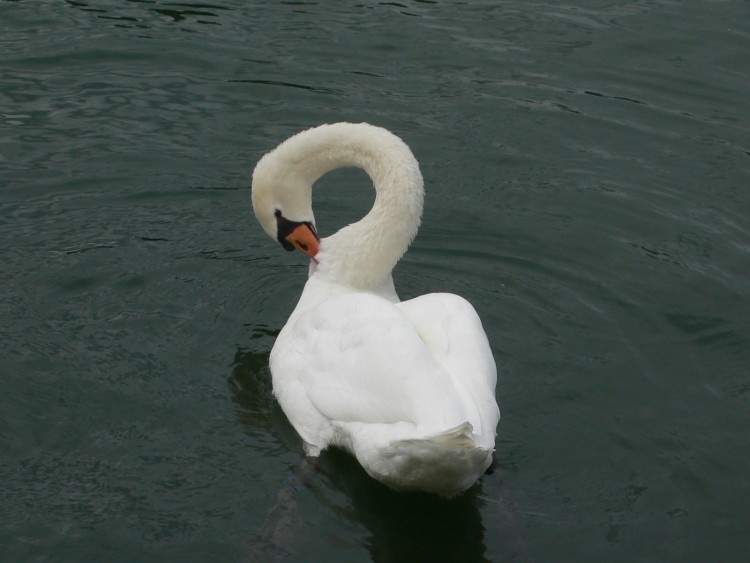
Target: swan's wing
{"x":357,"y":358}
{"x":452,"y":330}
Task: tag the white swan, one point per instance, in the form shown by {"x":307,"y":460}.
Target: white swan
{"x":407,"y":387}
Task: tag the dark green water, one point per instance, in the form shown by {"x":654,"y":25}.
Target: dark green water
{"x":587,"y":168}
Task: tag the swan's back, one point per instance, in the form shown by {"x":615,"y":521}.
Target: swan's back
{"x":408,"y":388}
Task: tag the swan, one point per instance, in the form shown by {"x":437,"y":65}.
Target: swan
{"x":406,"y":387}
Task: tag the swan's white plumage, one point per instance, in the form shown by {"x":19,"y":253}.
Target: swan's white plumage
{"x":407,"y":387}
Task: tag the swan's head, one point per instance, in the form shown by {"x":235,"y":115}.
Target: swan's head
{"x":282,"y":202}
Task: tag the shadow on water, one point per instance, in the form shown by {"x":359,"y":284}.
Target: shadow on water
{"x":252,"y":391}
{"x":416,"y":526}
{"x":402,"y":526}
{"x":136,"y":15}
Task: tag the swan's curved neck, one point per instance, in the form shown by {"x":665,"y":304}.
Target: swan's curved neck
{"x":363,"y":254}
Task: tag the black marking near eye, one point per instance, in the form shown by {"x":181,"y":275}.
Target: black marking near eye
{"x":312,"y":228}
{"x":285,"y":227}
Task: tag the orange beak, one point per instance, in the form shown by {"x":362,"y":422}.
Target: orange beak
{"x":304,"y":239}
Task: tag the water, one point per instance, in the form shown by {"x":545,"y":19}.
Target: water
{"x":587,"y":168}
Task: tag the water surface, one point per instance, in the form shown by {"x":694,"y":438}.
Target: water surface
{"x":586,"y":165}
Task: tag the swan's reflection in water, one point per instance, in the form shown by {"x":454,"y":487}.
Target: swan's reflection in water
{"x":403,"y":526}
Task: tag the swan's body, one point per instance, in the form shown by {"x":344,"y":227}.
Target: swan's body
{"x":407,"y":387}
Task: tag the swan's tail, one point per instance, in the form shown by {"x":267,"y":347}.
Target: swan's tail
{"x":446,"y":463}
{"x":460,"y":437}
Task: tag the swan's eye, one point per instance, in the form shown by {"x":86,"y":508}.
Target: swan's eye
{"x":277,"y":213}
